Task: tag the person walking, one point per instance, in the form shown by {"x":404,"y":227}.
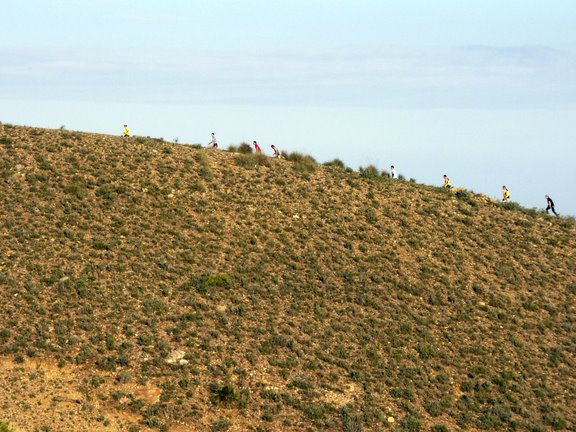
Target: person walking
{"x":126,"y":131}
{"x":276,"y":151}
{"x":550,"y":205}
{"x":505,"y":194}
{"x":256,"y":147}
{"x":393,"y":172}
{"x":447,"y":183}
{"x":213,"y":143}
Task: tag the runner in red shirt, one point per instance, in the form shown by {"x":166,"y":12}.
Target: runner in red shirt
{"x":257,"y":147}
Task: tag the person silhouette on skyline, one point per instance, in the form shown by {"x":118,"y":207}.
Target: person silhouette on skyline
{"x":550,"y":205}
{"x":213,"y":143}
{"x":505,"y":194}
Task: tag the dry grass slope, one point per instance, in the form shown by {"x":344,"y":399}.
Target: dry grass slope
{"x":302,"y":297}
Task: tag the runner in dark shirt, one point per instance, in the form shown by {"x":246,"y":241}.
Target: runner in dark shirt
{"x":550,"y":205}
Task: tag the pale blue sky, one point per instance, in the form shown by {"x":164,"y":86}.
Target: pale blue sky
{"x":482,"y":90}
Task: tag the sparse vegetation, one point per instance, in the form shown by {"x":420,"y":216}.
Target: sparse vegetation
{"x":233,"y":291}
{"x":251,"y":160}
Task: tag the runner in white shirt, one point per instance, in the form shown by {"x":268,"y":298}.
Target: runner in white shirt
{"x":213,"y":143}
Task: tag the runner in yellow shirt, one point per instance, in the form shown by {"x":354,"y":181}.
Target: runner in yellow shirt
{"x":505,"y":194}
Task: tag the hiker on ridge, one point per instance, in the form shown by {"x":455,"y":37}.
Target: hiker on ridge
{"x":257,"y":147}
{"x":126,"y":131}
{"x":213,"y":143}
{"x":550,"y":205}
{"x":447,"y":183}
{"x":393,"y":172}
{"x":505,"y":194}
{"x":276,"y":151}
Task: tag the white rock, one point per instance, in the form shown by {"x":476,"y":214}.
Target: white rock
{"x":176,"y":357}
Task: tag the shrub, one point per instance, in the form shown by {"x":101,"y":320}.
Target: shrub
{"x":335,"y":163}
{"x":205,"y":170}
{"x":244,"y":148}
{"x":226,"y":393}
{"x":220,"y":280}
{"x":465,"y":196}
{"x":220,"y":425}
{"x":251,"y":160}
{"x":371,"y":216}
{"x":410,"y":424}
{"x":77,"y":187}
{"x":4,"y":427}
{"x":202,"y":283}
{"x":370,"y":172}
{"x":4,"y":336}
{"x":302,"y":163}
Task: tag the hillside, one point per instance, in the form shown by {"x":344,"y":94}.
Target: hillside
{"x":147,"y":285}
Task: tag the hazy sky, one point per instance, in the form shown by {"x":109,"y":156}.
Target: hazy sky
{"x":481,"y":90}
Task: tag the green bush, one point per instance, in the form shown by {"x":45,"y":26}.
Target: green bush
{"x":251,"y":161}
{"x":220,"y":280}
{"x":226,"y":393}
{"x":369,"y":172}
{"x":77,"y":187}
{"x":302,"y":163}
{"x":220,"y":425}
{"x":202,"y":283}
{"x":4,"y":427}
{"x":335,"y":163}
{"x":244,"y":148}
{"x":205,"y":170}
{"x":410,"y":424}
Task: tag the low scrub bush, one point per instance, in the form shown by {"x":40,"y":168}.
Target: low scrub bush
{"x":335,"y":163}
{"x":410,"y":424}
{"x":202,"y":283}
{"x":226,"y":393}
{"x":243,"y":148}
{"x":77,"y":187}
{"x":302,"y":163}
{"x":369,"y":172}
{"x":251,"y":160}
